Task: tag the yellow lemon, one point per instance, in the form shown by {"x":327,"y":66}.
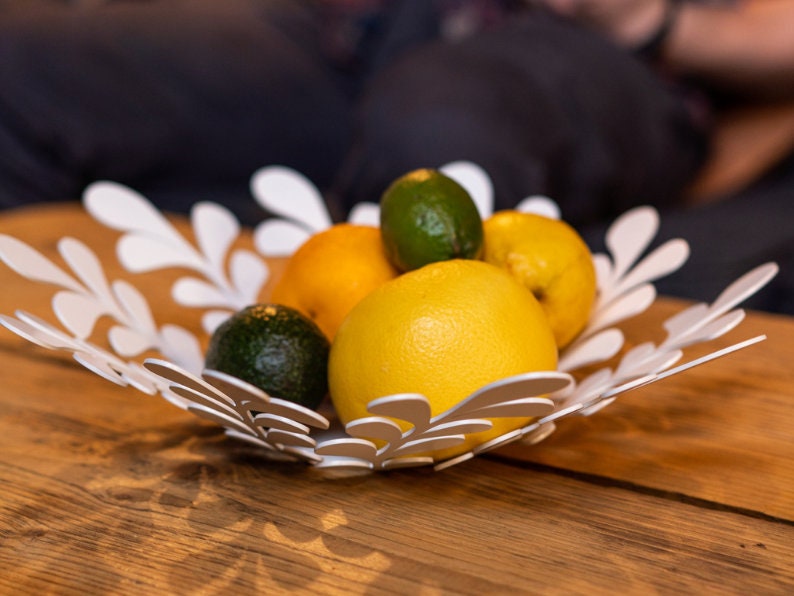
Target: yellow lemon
{"x":550,"y":258}
{"x":444,"y":330}
{"x":331,"y":272}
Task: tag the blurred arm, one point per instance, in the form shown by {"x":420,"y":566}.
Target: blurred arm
{"x":745,"y":47}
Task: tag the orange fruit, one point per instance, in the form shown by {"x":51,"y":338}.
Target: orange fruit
{"x":331,"y":272}
{"x":444,"y":331}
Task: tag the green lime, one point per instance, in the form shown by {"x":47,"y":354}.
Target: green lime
{"x":426,"y":216}
{"x":275,"y":348}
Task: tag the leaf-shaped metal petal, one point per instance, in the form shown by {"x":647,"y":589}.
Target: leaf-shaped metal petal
{"x":215,"y":228}
{"x":77,"y":312}
{"x":255,"y":399}
{"x":397,"y":463}
{"x":28,"y":332}
{"x":86,"y":265}
{"x":30,"y":263}
{"x":458,"y":427}
{"x":279,"y":238}
{"x":604,"y":278}
{"x":97,"y":364}
{"x":499,"y":441}
{"x":595,"y":348}
{"x":248,"y":273}
{"x":375,"y":427}
{"x":284,"y":437}
{"x":287,"y":193}
{"x":135,"y":306}
{"x":212,"y":319}
{"x":128,"y":342}
{"x":662,"y":261}
{"x":411,"y":407}
{"x":240,"y":392}
{"x":304,"y":453}
{"x":182,"y":347}
{"x":348,"y":447}
{"x":348,"y":464}
{"x":365,"y":214}
{"x":524,"y":407}
{"x":298,"y":413}
{"x":138,"y":253}
{"x":713,"y":329}
{"x":476,"y":182}
{"x":540,"y":205}
{"x":38,"y":331}
{"x":121,"y":208}
{"x":459,"y":459}
{"x":589,"y":387}
{"x":194,"y":292}
{"x":596,"y":407}
{"x":518,"y":386}
{"x":428,"y":444}
{"x":273,"y":421}
{"x":684,"y":321}
{"x":744,"y":287}
{"x":621,"y":308}
{"x":649,"y":363}
{"x":253,"y":440}
{"x":207,"y":400}
{"x":534,"y":434}
{"x":634,"y":358}
{"x":139,"y":378}
{"x":237,"y":391}
{"x":220,"y":418}
{"x":179,"y":376}
{"x":629,"y":236}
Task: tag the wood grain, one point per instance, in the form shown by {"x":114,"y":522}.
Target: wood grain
{"x":680,"y":487}
{"x":710,"y":433}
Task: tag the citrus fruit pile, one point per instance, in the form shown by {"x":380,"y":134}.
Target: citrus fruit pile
{"x":433,"y":301}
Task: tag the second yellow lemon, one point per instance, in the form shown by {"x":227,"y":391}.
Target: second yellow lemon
{"x":444,"y":330}
{"x":550,"y":259}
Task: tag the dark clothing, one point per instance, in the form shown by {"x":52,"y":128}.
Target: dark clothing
{"x":181,"y":100}
{"x":729,"y":237}
{"x":543,"y":106}
{"x":184,"y":99}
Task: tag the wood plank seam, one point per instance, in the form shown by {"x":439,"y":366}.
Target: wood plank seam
{"x":668,"y":495}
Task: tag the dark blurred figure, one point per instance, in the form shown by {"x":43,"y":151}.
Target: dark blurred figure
{"x":180,"y":99}
{"x":543,"y":105}
{"x":184,"y":99}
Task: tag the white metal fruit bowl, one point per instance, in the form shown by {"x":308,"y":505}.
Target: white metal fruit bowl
{"x":226,"y":279}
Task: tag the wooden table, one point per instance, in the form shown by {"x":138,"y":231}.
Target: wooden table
{"x":686,"y":485}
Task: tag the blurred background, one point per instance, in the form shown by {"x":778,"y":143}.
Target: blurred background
{"x":599,"y":104}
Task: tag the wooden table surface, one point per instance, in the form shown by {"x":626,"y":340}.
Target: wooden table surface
{"x":683,"y":486}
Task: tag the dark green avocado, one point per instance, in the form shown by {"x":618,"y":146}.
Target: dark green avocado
{"x":275,"y":348}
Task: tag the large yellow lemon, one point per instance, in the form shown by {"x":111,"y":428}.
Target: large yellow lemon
{"x":550,"y":258}
{"x":444,"y":330}
{"x":331,"y":272}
